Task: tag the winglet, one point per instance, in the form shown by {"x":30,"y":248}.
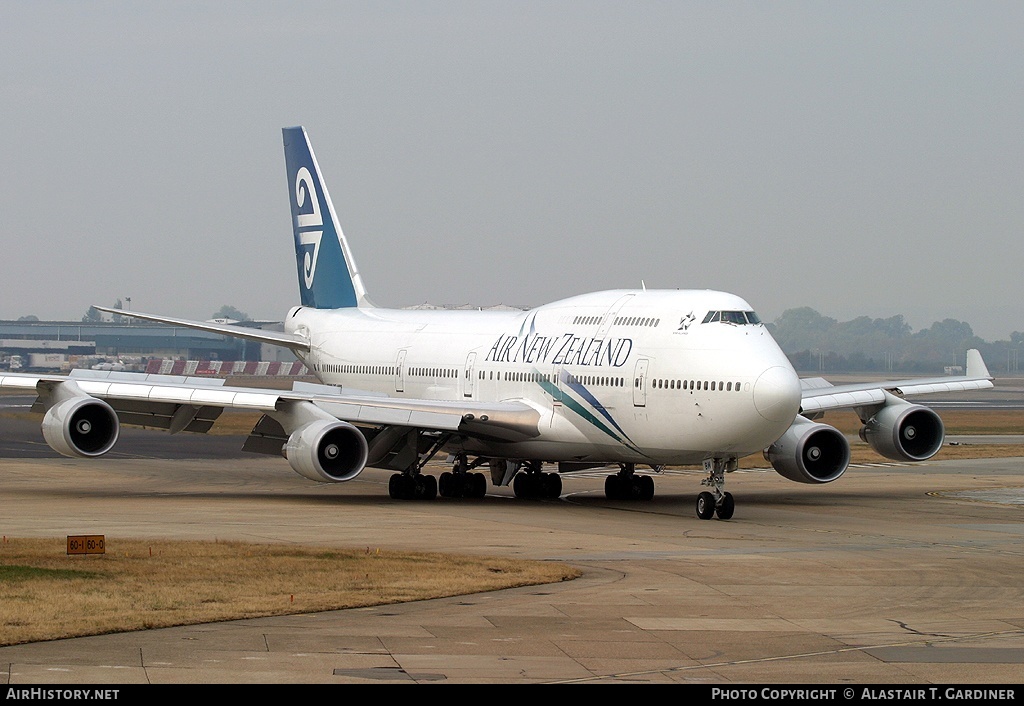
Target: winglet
{"x":976,"y":367}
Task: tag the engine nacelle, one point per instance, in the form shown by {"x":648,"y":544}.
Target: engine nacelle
{"x":810,"y":452}
{"x":81,"y":426}
{"x":327,"y":451}
{"x":904,"y":432}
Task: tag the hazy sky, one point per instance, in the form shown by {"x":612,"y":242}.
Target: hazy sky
{"x":860,"y":158}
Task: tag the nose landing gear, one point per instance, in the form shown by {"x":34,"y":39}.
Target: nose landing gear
{"x":717,"y":501}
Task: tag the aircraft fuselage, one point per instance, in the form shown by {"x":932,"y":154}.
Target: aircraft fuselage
{"x":616,"y":376}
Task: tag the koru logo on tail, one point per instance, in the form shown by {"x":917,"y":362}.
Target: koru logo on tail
{"x":306,"y":222}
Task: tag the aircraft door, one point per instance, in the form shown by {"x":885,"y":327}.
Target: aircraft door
{"x":468,"y":388}
{"x":640,"y":383}
{"x":609,"y":317}
{"x":556,"y":387}
{"x":400,"y":371}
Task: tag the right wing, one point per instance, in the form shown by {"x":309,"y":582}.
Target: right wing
{"x":325,"y":433}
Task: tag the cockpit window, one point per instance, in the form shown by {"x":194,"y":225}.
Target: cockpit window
{"x":739,"y":318}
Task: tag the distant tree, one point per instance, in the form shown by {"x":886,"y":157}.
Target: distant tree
{"x":802,"y":328}
{"x":29,"y":317}
{"x":117,"y":318}
{"x":820,"y":343}
{"x":229,"y":312}
{"x":943,"y":343}
{"x":92,"y":315}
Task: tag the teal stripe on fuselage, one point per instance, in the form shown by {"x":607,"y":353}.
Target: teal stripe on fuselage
{"x":583,"y":412}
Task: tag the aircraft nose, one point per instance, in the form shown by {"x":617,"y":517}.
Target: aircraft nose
{"x":777,"y":394}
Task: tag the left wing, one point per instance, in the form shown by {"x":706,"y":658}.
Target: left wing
{"x":325,"y":433}
{"x":278,"y":338}
{"x":819,"y":395}
{"x":812,"y":452}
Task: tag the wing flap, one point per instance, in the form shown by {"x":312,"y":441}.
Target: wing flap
{"x":18,"y":383}
{"x":166,"y":416}
{"x":841,"y":400}
{"x":224,"y":397}
{"x":931,"y":388}
{"x":267,"y":437}
{"x":399,"y":413}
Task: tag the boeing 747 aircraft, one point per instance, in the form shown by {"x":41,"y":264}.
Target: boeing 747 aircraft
{"x":626,"y":379}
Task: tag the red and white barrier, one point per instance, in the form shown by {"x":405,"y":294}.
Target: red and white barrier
{"x":168,"y":366}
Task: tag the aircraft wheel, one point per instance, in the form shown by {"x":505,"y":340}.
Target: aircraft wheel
{"x":705,"y":505}
{"x":613,"y":487}
{"x":479,"y":486}
{"x":727,"y":508}
{"x":403,"y":487}
{"x":444,"y":485}
{"x":395,"y":486}
{"x":552,"y":485}
{"x":646,"y":488}
{"x":521,"y":485}
{"x":426,"y":487}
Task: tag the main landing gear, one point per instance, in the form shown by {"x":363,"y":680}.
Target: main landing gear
{"x":718,"y":501}
{"x":411,"y":484}
{"x":457,"y":483}
{"x":412,"y":487}
{"x":460,"y":483}
{"x":532,"y":483}
{"x":626,"y":485}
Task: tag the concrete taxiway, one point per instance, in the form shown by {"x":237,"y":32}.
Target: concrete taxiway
{"x":893,"y":574}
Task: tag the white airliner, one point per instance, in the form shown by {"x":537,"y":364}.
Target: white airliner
{"x":623,"y":379}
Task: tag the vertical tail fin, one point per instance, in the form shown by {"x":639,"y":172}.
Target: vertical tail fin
{"x":328,"y":277}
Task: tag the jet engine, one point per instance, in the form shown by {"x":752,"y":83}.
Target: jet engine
{"x":81,"y":425}
{"x":904,"y":431}
{"x":327,"y":451}
{"x":810,"y":452}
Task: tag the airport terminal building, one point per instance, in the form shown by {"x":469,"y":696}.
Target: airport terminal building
{"x":61,"y":345}
{"x":143,"y":346}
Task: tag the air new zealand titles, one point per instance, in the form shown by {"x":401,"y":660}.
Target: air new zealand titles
{"x":566,"y":349}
